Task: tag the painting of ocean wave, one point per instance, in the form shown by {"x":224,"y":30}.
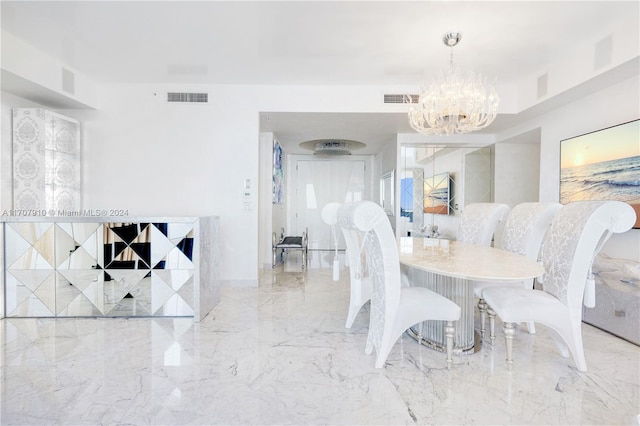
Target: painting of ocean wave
{"x":602,"y":165}
{"x":609,"y":180}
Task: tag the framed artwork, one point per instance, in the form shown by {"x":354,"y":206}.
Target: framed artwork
{"x":602,"y":165}
{"x":437,"y":194}
{"x":278,"y":174}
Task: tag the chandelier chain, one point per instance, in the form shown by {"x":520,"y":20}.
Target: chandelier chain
{"x":451,"y":58}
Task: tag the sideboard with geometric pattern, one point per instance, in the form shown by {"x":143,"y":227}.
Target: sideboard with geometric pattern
{"x":110,"y":267}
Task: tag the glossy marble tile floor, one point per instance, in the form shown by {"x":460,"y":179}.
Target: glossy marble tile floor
{"x":280,"y":354}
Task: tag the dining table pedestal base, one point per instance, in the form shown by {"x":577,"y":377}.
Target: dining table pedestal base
{"x":460,"y":291}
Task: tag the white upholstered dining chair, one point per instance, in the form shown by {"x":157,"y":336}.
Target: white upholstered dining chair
{"x":393,"y":308}
{"x":479,"y":221}
{"x":522,"y":234}
{"x":575,"y":235}
{"x":359,"y":282}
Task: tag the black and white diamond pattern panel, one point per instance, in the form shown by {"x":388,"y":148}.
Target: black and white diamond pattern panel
{"x":96,"y":269}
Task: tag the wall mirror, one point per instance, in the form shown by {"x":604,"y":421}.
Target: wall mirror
{"x":436,"y":182}
{"x":387,"y":184}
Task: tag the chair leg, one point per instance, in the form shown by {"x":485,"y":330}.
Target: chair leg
{"x":561,"y":344}
{"x":576,"y":346}
{"x":368,"y":348}
{"x":354,"y":309}
{"x":531,"y":327}
{"x":482,"y":308}
{"x":388,"y":340}
{"x":383,"y":350}
{"x":492,"y":324}
{"x":569,"y":342}
{"x":449,"y":331}
{"x":509,"y":332}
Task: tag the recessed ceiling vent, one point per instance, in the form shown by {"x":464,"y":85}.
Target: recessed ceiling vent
{"x":603,"y":51}
{"x":543,"y":85}
{"x":401,"y":99}
{"x":68,"y":81}
{"x":187,"y":97}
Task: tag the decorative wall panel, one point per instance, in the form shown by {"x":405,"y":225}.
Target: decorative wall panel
{"x":46,"y":161}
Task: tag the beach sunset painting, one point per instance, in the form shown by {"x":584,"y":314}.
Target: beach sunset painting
{"x":437,"y":193}
{"x":603,"y":165}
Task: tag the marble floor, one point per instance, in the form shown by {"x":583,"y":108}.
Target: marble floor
{"x":280,"y":354}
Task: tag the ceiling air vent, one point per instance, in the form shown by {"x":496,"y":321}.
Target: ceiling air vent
{"x":187,"y":97}
{"x":543,"y":82}
{"x":400,"y":99}
{"x":68,"y":81}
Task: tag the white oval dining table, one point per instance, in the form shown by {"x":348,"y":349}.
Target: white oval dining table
{"x":450,"y":268}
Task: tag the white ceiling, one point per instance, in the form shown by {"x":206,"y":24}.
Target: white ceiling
{"x":391,"y":43}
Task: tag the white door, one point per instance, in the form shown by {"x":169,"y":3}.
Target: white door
{"x":319,"y":183}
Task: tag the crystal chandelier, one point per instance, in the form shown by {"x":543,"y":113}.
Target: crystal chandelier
{"x":454,"y":103}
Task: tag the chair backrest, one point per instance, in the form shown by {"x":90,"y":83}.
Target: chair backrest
{"x":383,"y":263}
{"x":330,"y":213}
{"x":571,"y":243}
{"x":525,"y":227}
{"x":352,"y":241}
{"x":356,"y":261}
{"x":478,"y":222}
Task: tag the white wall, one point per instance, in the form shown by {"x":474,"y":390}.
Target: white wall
{"x":159,"y":159}
{"x":478,"y":175}
{"x":517,"y":172}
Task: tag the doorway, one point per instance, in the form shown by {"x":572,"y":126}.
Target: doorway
{"x":317,"y":183}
